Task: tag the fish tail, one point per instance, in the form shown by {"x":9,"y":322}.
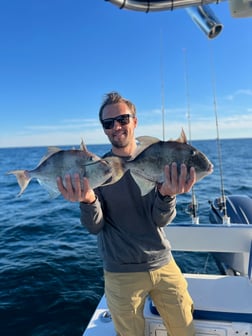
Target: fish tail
{"x":118,"y":169}
{"x":23,"y":179}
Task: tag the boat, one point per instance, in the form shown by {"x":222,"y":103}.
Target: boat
{"x":222,"y":301}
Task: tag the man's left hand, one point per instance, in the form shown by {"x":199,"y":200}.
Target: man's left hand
{"x":175,"y":183}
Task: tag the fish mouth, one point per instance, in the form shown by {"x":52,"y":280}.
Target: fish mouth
{"x":106,"y":165}
{"x":210,"y":168}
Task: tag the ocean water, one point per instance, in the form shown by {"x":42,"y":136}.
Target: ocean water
{"x":51,"y":276}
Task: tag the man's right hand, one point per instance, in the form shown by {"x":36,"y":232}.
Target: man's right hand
{"x":76,"y":190}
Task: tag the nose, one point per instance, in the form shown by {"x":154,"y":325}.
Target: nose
{"x":117,"y":124}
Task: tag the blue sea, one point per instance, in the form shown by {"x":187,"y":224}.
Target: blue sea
{"x":51,"y":276}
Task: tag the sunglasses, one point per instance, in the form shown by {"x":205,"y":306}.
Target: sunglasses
{"x":122,"y":119}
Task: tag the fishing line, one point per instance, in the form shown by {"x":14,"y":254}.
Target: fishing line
{"x":187,"y":95}
{"x":193,"y":206}
{"x":162,"y":84}
{"x":222,"y":200}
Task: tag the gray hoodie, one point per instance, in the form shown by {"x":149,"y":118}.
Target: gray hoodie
{"x":129,"y":227}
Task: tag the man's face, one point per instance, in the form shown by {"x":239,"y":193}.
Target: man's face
{"x":119,"y":135}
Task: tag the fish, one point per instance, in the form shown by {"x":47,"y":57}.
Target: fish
{"x":59,"y":162}
{"x":147,"y":163}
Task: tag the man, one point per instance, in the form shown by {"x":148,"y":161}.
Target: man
{"x":136,"y":254}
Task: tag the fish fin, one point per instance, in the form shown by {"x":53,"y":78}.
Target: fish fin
{"x":83,"y":146}
{"x":50,"y":151}
{"x":143,"y":143}
{"x":53,"y":193}
{"x":53,"y":149}
{"x":144,"y":184}
{"x":147,"y":140}
{"x":182,"y":138}
{"x":23,"y":179}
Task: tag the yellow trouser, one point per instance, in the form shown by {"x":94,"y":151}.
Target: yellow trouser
{"x":126,"y":293}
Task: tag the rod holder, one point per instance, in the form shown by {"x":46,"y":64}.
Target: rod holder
{"x":205,"y":19}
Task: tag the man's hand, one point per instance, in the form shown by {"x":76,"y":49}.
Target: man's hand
{"x":175,"y":184}
{"x":76,"y":191}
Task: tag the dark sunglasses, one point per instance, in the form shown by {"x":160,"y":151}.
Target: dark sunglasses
{"x":123,"y":119}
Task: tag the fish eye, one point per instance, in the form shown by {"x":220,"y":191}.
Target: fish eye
{"x":193,"y":152}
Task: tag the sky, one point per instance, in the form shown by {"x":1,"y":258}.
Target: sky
{"x":58,"y":58}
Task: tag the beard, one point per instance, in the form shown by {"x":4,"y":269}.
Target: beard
{"x":119,"y":141}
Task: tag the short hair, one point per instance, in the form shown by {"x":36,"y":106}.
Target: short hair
{"x":114,"y":98}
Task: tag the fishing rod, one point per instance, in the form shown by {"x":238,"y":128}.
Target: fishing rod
{"x":222,"y":200}
{"x":162,"y":84}
{"x":193,"y":206}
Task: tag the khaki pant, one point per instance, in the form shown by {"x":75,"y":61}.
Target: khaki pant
{"x":126,"y":293}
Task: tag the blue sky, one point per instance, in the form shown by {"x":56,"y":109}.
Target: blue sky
{"x":59,"y":57}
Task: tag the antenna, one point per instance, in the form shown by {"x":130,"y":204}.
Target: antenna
{"x":222,"y":199}
{"x":193,"y":206}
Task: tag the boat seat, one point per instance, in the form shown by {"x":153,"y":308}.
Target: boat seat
{"x":218,"y":297}
{"x":222,"y":298}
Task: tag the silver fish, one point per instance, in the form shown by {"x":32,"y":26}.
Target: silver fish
{"x":147,"y":163}
{"x":58,"y":162}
